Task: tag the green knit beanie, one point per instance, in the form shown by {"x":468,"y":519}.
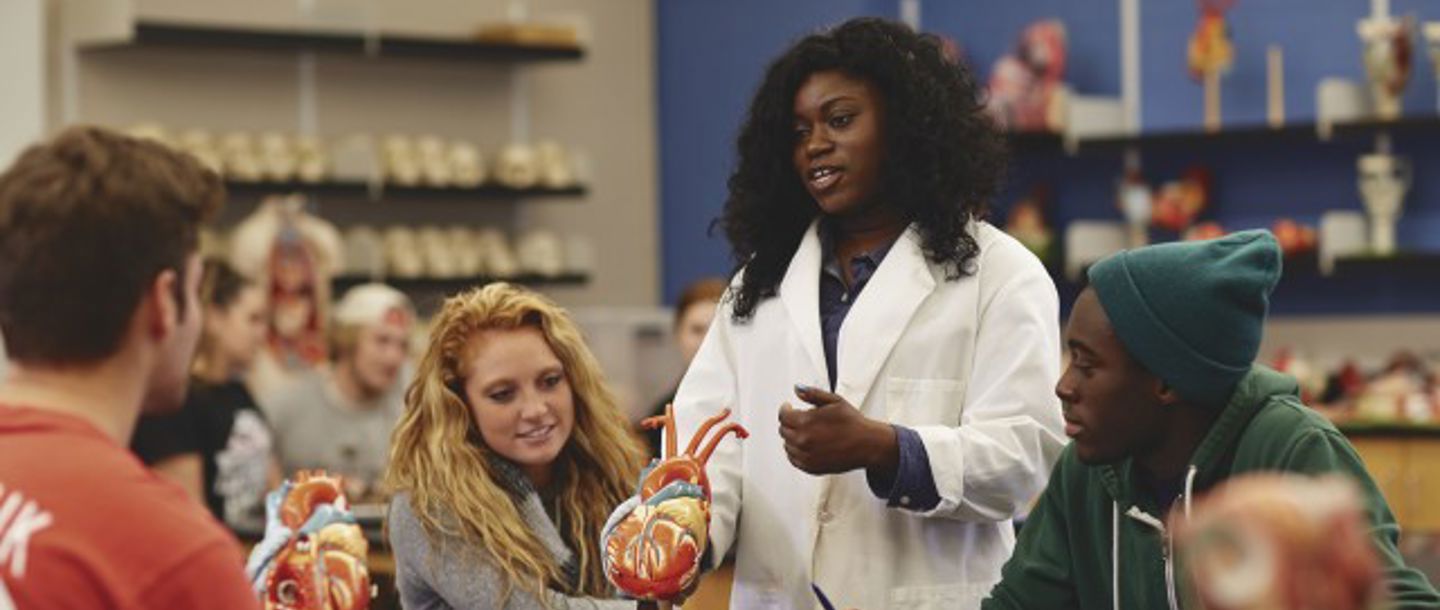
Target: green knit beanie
{"x":1192,"y":312}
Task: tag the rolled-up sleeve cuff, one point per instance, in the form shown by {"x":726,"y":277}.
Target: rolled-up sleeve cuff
{"x":913,"y":485}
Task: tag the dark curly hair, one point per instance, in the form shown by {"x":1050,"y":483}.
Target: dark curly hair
{"x":944,"y":156}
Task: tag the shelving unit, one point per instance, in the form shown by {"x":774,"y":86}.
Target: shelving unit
{"x":1408,"y":263}
{"x":1362,"y":429}
{"x":145,"y":33}
{"x":452,"y":285}
{"x":1397,"y":284}
{"x":1041,"y":142}
{"x":94,"y":31}
{"x":364,"y":191}
{"x":1307,"y":266}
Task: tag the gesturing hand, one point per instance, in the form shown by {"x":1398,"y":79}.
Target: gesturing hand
{"x":834,"y":437}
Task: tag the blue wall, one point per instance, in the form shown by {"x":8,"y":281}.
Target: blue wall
{"x":712,"y":57}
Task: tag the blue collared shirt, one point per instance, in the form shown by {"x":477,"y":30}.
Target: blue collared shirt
{"x":913,"y":486}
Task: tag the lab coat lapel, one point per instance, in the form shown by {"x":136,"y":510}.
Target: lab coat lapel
{"x":880,"y":316}
{"x":800,"y":291}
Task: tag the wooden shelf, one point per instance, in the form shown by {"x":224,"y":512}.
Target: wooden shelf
{"x":453,"y":285}
{"x":1371,"y":429}
{"x":1023,"y":142}
{"x":1307,"y":265}
{"x":1401,"y":262}
{"x":1038,"y":142}
{"x":148,"y":33}
{"x":362,"y":190}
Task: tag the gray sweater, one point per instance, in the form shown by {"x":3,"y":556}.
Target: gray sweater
{"x":450,"y":577}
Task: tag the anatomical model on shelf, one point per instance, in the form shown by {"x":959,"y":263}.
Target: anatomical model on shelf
{"x":278,"y":161}
{"x":1027,"y":224}
{"x":517,"y":167}
{"x":434,"y":158}
{"x":1211,"y":54}
{"x":1136,"y":204}
{"x":1404,"y":390}
{"x":312,"y":160}
{"x":1179,"y":202}
{"x":556,"y":167}
{"x":401,"y":161}
{"x":1295,"y":239}
{"x":1384,"y":181}
{"x":500,"y":261}
{"x":465,"y":246}
{"x":441,"y":261}
{"x":1389,"y":56}
{"x":293,"y":254}
{"x":1278,"y":542}
{"x":242,"y":161}
{"x":540,"y":252}
{"x":467,"y":165}
{"x":402,"y":253}
{"x":1027,"y":89}
{"x":1311,"y":379}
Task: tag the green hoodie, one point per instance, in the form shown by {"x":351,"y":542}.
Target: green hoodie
{"x":1066,"y":556}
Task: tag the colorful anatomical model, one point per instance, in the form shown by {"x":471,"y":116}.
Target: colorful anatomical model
{"x":1179,"y":202}
{"x":1277,"y":542}
{"x":654,"y":552}
{"x":1027,"y":88}
{"x":1210,"y":48}
{"x":313,"y":554}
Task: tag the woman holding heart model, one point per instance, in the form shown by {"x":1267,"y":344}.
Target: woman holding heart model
{"x":506,"y":462}
{"x":891,"y":354}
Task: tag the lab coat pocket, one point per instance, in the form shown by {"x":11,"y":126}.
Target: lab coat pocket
{"x":935,"y":597}
{"x":924,"y":402}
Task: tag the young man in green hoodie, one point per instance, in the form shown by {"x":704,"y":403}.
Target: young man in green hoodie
{"x":1163,"y":401}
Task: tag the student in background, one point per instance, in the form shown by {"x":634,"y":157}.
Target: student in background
{"x":219,"y":446}
{"x":99,"y":302}
{"x":508,"y":459}
{"x":340,"y":419}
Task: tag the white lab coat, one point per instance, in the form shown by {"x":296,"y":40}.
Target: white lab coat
{"x":971,"y":365}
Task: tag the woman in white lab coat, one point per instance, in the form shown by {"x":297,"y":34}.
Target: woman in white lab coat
{"x":892,"y":355}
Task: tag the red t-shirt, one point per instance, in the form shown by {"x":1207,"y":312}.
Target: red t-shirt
{"x":83,"y":524}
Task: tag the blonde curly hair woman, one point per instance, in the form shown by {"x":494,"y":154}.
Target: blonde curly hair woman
{"x":507,"y":461}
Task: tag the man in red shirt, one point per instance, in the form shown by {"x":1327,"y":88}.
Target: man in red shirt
{"x":99,"y":311}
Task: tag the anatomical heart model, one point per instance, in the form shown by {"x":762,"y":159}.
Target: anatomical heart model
{"x":654,"y":552}
{"x":1278,"y":542}
{"x":313,"y":554}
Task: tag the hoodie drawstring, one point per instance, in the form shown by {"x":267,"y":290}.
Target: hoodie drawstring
{"x":1190,"y":487}
{"x":1115,"y":552}
{"x":1140,"y":515}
